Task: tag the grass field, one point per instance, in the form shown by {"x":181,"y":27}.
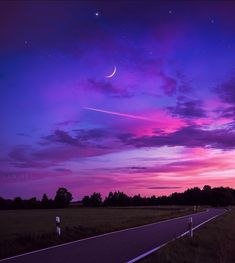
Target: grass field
{"x":212,"y":243}
{"x":26,"y":230}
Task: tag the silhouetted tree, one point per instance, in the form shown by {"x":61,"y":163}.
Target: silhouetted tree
{"x":18,"y":203}
{"x":218,"y":196}
{"x":137,"y":200}
{"x":46,"y":202}
{"x":221,"y":197}
{"x":3,"y":203}
{"x":206,"y":188}
{"x":152,"y":200}
{"x":192,"y":196}
{"x":94,"y":200}
{"x":63,"y":197}
{"x":86,"y":200}
{"x":117,"y":199}
{"x":32,"y":203}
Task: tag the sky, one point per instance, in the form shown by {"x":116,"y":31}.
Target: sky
{"x":113,"y":95}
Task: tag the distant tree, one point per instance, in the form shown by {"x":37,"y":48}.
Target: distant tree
{"x":45,"y":199}
{"x":137,"y":200}
{"x":86,"y":200}
{"x":206,"y":188}
{"x":163,"y":200}
{"x":175,"y":199}
{"x":206,"y":195}
{"x":94,"y":200}
{"x":221,"y":197}
{"x":46,"y":202}
{"x":117,"y":199}
{"x":218,"y":196}
{"x":192,"y":196}
{"x":153,"y":200}
{"x":63,"y":197}
{"x":31,"y":203}
{"x":3,"y":203}
{"x":18,"y":203}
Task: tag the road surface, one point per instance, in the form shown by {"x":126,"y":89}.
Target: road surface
{"x":117,"y":247}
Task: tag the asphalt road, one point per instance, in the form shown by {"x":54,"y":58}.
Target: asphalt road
{"x":116,"y":247}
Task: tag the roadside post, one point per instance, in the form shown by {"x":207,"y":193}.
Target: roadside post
{"x":58,"y":229}
{"x":190,"y":227}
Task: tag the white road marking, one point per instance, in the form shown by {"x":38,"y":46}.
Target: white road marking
{"x":88,"y":238}
{"x":158,"y":247}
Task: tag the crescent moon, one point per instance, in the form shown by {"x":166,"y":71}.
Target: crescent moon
{"x":112,"y":74}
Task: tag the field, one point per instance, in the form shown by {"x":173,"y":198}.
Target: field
{"x":212,"y":243}
{"x":26,"y":230}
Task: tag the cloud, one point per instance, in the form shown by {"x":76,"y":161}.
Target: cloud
{"x":106,"y":88}
{"x":92,"y":134}
{"x":62,"y":146}
{"x":138,"y":168}
{"x":60,"y":136}
{"x":77,"y":137}
{"x":169,"y":85}
{"x":188,"y":108}
{"x":126,"y":137}
{"x":66,"y":123}
{"x":53,"y":155}
{"x":23,"y":134}
{"x":226,"y":94}
{"x":227,"y":112}
{"x":191,"y":136}
{"x":226,"y":91}
{"x":63,"y":170}
{"x":154,"y":69}
{"x":21,"y":156}
{"x":185,"y":166}
{"x":19,"y":152}
{"x":164,"y":187}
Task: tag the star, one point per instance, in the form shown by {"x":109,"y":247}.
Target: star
{"x":170,"y":12}
{"x":97,"y":14}
{"x":26,"y":42}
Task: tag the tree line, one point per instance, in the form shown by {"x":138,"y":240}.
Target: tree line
{"x":217,"y":196}
{"x":62,"y":199}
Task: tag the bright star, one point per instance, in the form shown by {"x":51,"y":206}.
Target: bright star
{"x":96,"y":14}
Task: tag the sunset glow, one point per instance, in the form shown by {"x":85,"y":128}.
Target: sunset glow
{"x":163,"y":122}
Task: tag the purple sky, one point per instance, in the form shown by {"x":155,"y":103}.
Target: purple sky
{"x":162,"y":123}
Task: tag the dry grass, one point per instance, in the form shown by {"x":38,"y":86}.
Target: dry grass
{"x":26,"y":230}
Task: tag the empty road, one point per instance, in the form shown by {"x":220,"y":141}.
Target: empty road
{"x":117,"y":247}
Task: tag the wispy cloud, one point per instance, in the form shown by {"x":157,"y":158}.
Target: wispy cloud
{"x":164,"y":187}
{"x":188,"y":108}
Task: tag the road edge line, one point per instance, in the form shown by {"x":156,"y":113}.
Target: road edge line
{"x":97,"y":236}
{"x":158,"y":247}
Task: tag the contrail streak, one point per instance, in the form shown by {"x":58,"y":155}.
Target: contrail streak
{"x":121,"y":114}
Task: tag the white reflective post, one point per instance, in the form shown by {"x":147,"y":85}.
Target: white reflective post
{"x":58,"y":230}
{"x":190,"y":227}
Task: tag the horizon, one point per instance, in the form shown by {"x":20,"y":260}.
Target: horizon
{"x":74,"y":200}
{"x":100,"y":96}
